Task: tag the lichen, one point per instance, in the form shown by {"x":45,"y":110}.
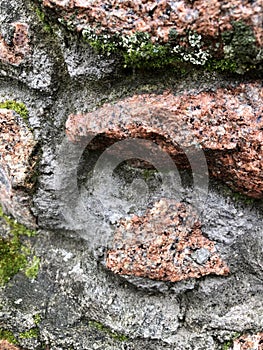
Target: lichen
{"x":239,"y":55}
{"x":18,"y":107}
{"x":139,"y":51}
{"x":101,"y":327}
{"x":234,"y":50}
{"x":16,"y":255}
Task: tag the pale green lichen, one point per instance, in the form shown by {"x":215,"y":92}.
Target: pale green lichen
{"x":139,"y":51}
{"x":37,"y":319}
{"x":15,"y":255}
{"x":240,"y":52}
{"x":32,"y":269}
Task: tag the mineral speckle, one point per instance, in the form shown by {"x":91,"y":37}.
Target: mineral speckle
{"x":163,"y":245}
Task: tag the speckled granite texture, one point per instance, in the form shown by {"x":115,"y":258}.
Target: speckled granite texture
{"x":209,"y":18}
{"x":17,"y":163}
{"x":220,"y":34}
{"x":247,"y":342}
{"x":163,"y":245}
{"x":227,"y":124}
{"x":15,"y":48}
{"x":5,"y":345}
{"x":117,"y":262}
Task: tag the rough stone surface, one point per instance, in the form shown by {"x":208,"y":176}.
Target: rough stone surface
{"x":4,"y":345}
{"x":24,"y":52}
{"x":162,"y":245}
{"x":18,"y":49}
{"x":227,"y":124}
{"x":248,"y":341}
{"x":75,"y":302}
{"x":17,"y":164}
{"x":207,"y":18}
{"x":215,"y":33}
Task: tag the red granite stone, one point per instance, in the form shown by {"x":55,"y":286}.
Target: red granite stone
{"x":249,"y":342}
{"x":17,"y":163}
{"x":226,"y":124}
{"x":164,"y":245}
{"x":5,"y":345}
{"x":17,"y":51}
{"x":208,"y":18}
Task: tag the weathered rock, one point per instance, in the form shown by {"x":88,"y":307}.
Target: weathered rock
{"x":197,"y":32}
{"x":209,"y":19}
{"x":18,"y":49}
{"x":164,"y":245}
{"x":4,"y":345}
{"x":226,"y":124}
{"x":17,"y":163}
{"x":248,"y":341}
{"x":76,"y":302}
{"x":24,"y":50}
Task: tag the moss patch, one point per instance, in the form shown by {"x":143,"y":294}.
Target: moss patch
{"x":18,"y":107}
{"x":236,"y":50}
{"x":31,"y":271}
{"x":229,"y":344}
{"x":31,"y":333}
{"x":43,"y":19}
{"x":240,"y":47}
{"x":15,"y":255}
{"x":7,"y":335}
{"x":37,"y":319}
{"x":101,"y":327}
{"x":138,"y":51}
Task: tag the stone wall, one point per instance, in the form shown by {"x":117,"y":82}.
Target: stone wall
{"x":132,"y":144}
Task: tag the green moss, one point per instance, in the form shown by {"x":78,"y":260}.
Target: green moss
{"x":32,"y":270}
{"x":43,"y":18}
{"x":15,"y":255}
{"x":18,"y":107}
{"x":229,"y":344}
{"x":7,"y":335}
{"x":15,"y":227}
{"x":138,"y":50}
{"x":99,"y":326}
{"x":240,"y":52}
{"x":12,"y":260}
{"x":37,"y":319}
{"x":222,"y":65}
{"x":240,"y":47}
{"x":31,"y":333}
